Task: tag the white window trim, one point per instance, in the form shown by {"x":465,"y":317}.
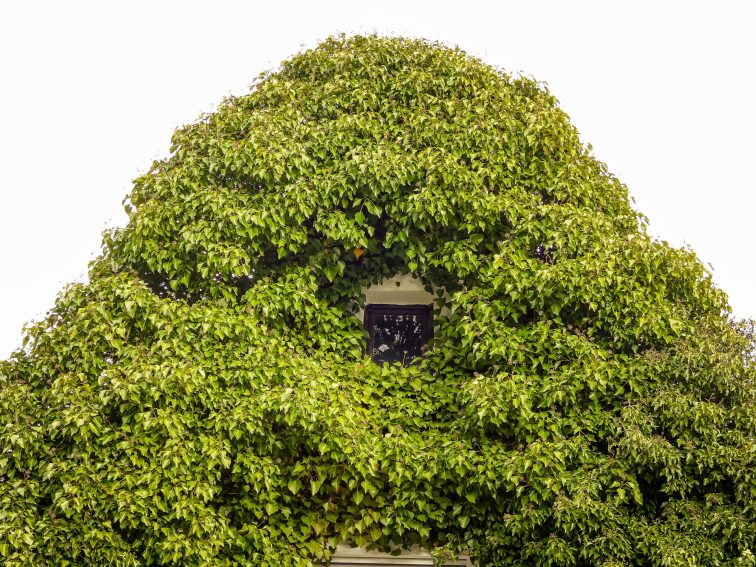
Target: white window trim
{"x":403,"y":289}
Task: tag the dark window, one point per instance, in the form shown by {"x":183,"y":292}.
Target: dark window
{"x":397,"y":333}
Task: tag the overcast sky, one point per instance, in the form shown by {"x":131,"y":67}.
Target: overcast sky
{"x":91,"y":92}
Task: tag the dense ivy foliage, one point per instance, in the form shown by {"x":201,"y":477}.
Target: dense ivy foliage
{"x":205,"y":398}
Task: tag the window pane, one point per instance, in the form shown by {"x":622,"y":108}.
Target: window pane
{"x":397,"y":334}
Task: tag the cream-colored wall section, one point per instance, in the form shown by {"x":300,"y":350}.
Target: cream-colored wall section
{"x":346,"y":556}
{"x":405,"y":289}
{"x":399,"y":290}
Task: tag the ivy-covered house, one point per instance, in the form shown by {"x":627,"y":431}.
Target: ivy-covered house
{"x":387,"y":302}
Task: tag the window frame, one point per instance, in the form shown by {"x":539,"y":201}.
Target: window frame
{"x":397,"y":309}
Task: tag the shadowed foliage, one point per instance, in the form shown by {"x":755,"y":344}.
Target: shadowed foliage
{"x":205,"y":398}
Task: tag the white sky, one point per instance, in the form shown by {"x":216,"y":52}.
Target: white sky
{"x":665,"y":91}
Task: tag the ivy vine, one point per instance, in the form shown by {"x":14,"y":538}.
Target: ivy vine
{"x":205,"y":398}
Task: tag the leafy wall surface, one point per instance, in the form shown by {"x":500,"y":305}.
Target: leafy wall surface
{"x":205,"y":398}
